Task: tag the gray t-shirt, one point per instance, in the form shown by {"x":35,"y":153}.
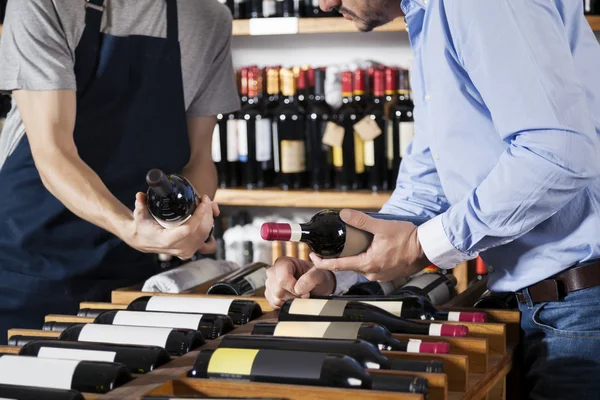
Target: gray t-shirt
{"x":37,"y":50}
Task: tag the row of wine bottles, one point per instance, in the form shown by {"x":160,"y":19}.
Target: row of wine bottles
{"x":244,"y":9}
{"x":289,"y":136}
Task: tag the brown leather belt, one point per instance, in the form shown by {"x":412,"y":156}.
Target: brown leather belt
{"x":558,"y":286}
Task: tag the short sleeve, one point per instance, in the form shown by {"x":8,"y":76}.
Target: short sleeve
{"x":218,"y":93}
{"x":34,"y":53}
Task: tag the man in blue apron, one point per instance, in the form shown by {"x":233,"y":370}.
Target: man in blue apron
{"x":102,"y":94}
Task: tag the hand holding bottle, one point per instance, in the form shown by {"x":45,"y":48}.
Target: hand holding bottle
{"x":291,"y":278}
{"x":395,"y":250}
{"x":146,"y":235}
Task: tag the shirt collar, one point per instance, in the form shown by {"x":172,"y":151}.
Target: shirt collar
{"x":408,"y":5}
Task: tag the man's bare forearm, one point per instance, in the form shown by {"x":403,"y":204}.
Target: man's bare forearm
{"x":203,"y":176}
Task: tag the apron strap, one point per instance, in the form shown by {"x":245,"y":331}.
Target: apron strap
{"x":172,"y":21}
{"x":86,"y":54}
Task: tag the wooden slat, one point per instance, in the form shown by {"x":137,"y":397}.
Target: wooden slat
{"x":68,"y":319}
{"x":221,"y":388}
{"x":125,"y":297}
{"x":438,"y":383}
{"x":512,"y":320}
{"x":475,"y":348}
{"x":594,"y":21}
{"x":301,"y":198}
{"x":33,"y":332}
{"x":10,"y":349}
{"x":102,"y":306}
{"x":500,"y":366}
{"x":455,"y":366}
{"x":494,"y":333}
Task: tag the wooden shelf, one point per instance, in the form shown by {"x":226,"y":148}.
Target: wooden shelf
{"x":301,"y":199}
{"x":594,"y":21}
{"x":322,"y":25}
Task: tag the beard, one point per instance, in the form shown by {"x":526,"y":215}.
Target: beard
{"x":375,"y":15}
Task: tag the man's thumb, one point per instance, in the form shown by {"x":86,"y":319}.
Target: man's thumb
{"x":358,"y":220}
{"x":307,"y":282}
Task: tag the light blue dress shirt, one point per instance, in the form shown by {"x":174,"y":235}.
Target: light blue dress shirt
{"x":506,"y":153}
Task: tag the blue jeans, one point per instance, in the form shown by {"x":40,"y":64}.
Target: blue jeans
{"x":561,"y":347}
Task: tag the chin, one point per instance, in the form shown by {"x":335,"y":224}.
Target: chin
{"x":370,"y":25}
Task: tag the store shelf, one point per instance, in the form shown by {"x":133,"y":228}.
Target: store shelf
{"x":321,"y":25}
{"x":301,"y":198}
{"x":594,"y":21}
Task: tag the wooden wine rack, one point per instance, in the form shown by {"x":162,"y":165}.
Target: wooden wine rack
{"x":476,"y":368}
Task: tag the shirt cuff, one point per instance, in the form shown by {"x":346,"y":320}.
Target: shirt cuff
{"x":437,"y":247}
{"x":345,"y":280}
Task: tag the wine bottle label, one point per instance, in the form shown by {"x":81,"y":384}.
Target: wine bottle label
{"x":413,"y":346}
{"x":390,"y":144}
{"x":453,"y":316}
{"x":367,"y":128}
{"x":233,"y":154}
{"x":274,"y":363}
{"x":37,"y":372}
{"x":189,"y":305}
{"x":269,"y":8}
{"x":165,"y":320}
{"x":323,"y":308}
{"x":263,"y":140}
{"x":257,"y":278}
{"x":324,"y":330}
{"x":293,"y":157}
{"x":407,"y":133}
{"x":357,"y":242}
{"x":333,"y":135}
{"x":393,"y":307}
{"x":369,"y":153}
{"x":216,"y":144}
{"x":359,"y":154}
{"x":76,"y":354}
{"x":435,"y":330}
{"x":118,"y":334}
{"x":242,"y":132}
{"x":276,"y":157}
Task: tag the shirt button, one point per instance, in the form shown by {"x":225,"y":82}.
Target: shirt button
{"x":490,"y":268}
{"x":427,"y":97}
{"x":436,"y":156}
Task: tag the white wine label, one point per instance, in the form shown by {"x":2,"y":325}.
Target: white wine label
{"x":189,"y":305}
{"x":276,"y":158}
{"x":269,"y":8}
{"x":263,"y":140}
{"x":407,"y":133}
{"x":76,"y":354}
{"x":413,"y":346}
{"x":296,"y":232}
{"x":257,"y":278}
{"x":435,"y":330}
{"x":273,"y":26}
{"x":453,"y":316}
{"x":367,"y":128}
{"x":233,"y":154}
{"x":293,"y":156}
{"x":390,"y":144}
{"x":216,"y":144}
{"x":333,"y":135}
{"x":164,"y":320}
{"x":37,"y":372}
{"x":324,"y":330}
{"x":242,"y":132}
{"x":323,"y":308}
{"x":393,"y":307}
{"x":119,"y":334}
{"x":369,"y":153}
{"x":359,"y":154}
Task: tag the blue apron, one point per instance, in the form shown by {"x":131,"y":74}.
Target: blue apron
{"x":130,"y":118}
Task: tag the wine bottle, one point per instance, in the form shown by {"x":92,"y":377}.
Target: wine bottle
{"x":91,"y":312}
{"x":364,"y":352}
{"x":240,"y":311}
{"x":36,"y":393}
{"x":375,"y":334}
{"x":84,"y":376}
{"x":320,"y":155}
{"x":291,"y":8}
{"x":22,"y":340}
{"x":247,"y":280}
{"x":338,"y":310}
{"x":327,"y":235}
{"x":219,"y":150}
{"x":55,"y":326}
{"x":291,"y":133}
{"x":297,"y":368}
{"x":171,"y":199}
{"x":248,"y":252}
{"x":138,"y":359}
{"x":392,"y":146}
{"x":497,"y":300}
{"x":228,"y":4}
{"x":210,"y":325}
{"x":415,"y":307}
{"x":403,"y":119}
{"x":591,"y":7}
{"x":374,"y":138}
{"x":176,"y":342}
{"x":375,"y":288}
{"x":437,"y":287}
{"x":269,"y":9}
